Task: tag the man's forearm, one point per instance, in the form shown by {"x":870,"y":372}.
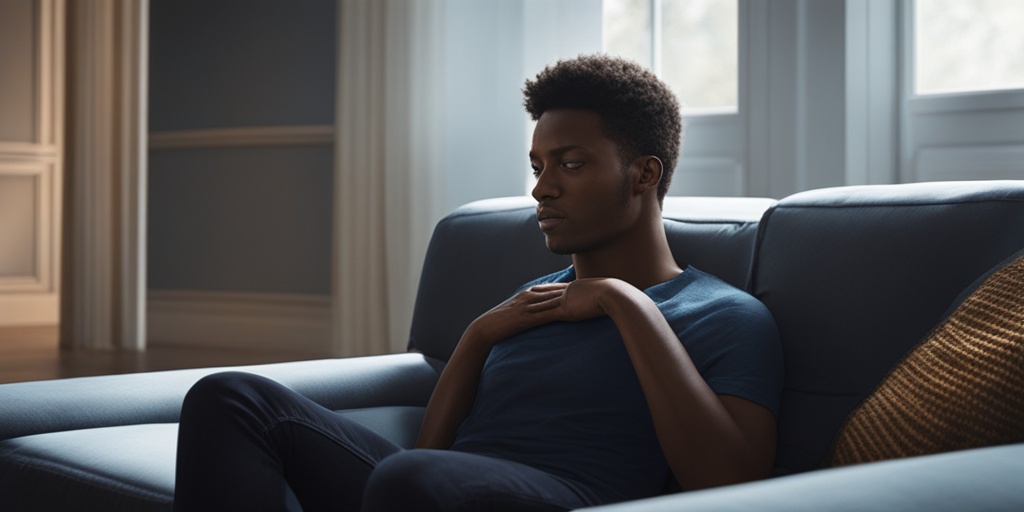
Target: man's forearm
{"x":702,"y":441}
{"x":454,"y":393}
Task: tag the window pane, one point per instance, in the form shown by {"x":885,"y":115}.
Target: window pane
{"x":969,"y":46}
{"x":700,"y":52}
{"x":626,"y":30}
{"x":698,"y":41}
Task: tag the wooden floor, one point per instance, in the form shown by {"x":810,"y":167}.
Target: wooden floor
{"x":32,"y":353}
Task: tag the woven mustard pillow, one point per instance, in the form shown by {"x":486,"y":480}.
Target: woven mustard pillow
{"x":962,"y":387}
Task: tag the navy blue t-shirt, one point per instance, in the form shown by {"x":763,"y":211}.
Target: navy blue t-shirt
{"x":564,"y":397}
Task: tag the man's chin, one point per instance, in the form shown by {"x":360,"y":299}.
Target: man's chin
{"x":561,"y":249}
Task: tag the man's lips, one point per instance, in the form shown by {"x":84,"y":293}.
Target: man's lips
{"x":548,"y":218}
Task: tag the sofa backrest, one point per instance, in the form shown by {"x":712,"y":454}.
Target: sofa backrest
{"x":482,"y":252}
{"x":857,"y":276}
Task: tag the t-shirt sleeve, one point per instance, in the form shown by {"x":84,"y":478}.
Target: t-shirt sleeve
{"x":737,"y":350}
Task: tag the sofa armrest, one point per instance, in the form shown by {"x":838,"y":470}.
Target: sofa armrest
{"x":28,"y":408}
{"x":984,"y":479}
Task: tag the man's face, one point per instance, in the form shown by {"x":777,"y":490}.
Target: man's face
{"x":583,"y":193}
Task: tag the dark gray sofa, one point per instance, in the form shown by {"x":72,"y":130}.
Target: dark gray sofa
{"x":855,"y":277}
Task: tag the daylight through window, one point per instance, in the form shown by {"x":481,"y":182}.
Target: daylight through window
{"x":968,"y":46}
{"x":692,"y":44}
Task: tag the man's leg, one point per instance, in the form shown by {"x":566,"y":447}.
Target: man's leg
{"x":435,"y":480}
{"x":242,"y":437}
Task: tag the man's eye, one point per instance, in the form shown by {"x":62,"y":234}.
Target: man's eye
{"x":572,"y":165}
{"x":536,"y":170}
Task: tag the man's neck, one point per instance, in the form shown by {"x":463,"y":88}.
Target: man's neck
{"x":643,"y":261}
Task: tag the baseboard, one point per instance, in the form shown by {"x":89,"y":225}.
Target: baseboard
{"x":281,"y":322}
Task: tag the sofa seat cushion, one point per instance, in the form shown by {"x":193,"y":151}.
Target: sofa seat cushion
{"x":962,"y":387}
{"x":130,"y":467}
{"x":981,"y":480}
{"x":113,"y":468}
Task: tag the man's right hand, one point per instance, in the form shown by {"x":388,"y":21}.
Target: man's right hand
{"x":456,"y":388}
{"x":523,"y":311}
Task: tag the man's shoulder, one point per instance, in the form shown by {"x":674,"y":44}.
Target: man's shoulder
{"x":713,"y":288}
{"x":710,"y":294}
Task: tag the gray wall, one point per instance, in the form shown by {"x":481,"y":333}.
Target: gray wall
{"x":243,"y":219}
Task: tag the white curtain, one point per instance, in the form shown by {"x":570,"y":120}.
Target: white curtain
{"x":386,"y":167}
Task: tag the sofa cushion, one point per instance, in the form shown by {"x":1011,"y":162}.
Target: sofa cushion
{"x":982,"y":480}
{"x":856,"y":277}
{"x":29,"y":408}
{"x":129,"y":467}
{"x":962,"y":387}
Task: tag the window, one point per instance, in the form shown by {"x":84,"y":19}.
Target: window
{"x":962,"y":90}
{"x":691,"y":44}
{"x":968,"y":46}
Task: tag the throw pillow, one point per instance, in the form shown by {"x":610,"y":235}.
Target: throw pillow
{"x":962,"y":387}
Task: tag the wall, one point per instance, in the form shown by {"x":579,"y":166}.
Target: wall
{"x":483,"y":140}
{"x":241,"y":229}
{"x":31,"y":152}
{"x":241,"y":108}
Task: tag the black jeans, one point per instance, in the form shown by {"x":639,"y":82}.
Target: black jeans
{"x":244,"y":439}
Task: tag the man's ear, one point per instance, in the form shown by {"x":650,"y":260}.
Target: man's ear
{"x":648,"y":175}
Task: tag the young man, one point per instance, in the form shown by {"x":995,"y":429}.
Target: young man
{"x":600,"y":383}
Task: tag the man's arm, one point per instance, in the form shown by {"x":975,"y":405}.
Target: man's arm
{"x":456,"y":388}
{"x":708,"y":439}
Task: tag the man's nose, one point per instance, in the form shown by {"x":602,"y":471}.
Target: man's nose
{"x":546,"y":186}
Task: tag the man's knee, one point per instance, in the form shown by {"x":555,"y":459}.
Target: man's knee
{"x":409,"y":480}
{"x":216,"y":392}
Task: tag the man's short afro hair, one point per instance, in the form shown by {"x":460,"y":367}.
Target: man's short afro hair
{"x":637,"y":110}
